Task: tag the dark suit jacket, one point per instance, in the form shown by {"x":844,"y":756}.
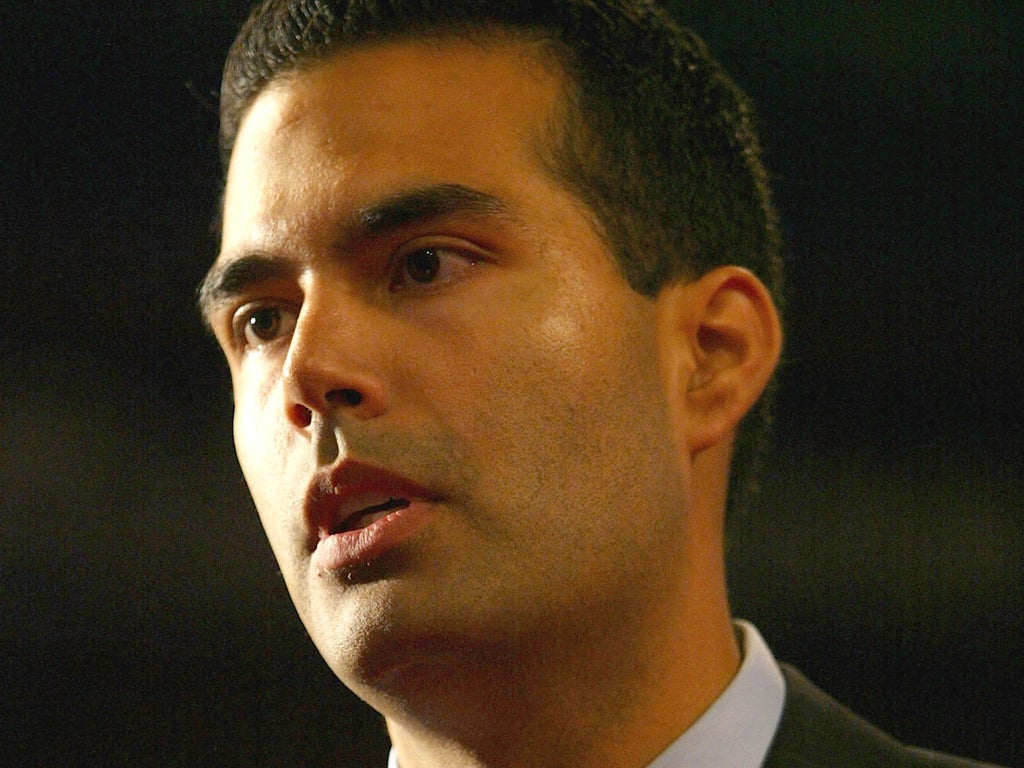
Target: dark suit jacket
{"x":818,"y":732}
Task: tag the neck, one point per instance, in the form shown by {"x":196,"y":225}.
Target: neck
{"x":569,"y":699}
{"x":608,"y":689}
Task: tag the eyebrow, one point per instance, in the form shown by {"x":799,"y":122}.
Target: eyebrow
{"x":232,"y":277}
{"x":431,"y":202}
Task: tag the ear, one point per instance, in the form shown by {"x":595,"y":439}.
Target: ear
{"x":720,"y":339}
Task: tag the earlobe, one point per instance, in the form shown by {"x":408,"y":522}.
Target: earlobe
{"x":721,"y":340}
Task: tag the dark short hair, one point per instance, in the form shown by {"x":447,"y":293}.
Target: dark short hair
{"x":653,"y":136}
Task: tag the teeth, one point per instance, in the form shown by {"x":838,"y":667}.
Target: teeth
{"x":386,"y":506}
{"x":365,"y":521}
{"x":365,"y":516}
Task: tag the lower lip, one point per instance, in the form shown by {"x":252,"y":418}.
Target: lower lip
{"x":351,"y":549}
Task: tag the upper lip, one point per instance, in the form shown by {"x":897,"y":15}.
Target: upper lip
{"x":337,"y":497}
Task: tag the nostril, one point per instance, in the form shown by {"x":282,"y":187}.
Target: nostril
{"x":301,"y":416}
{"x":349,"y":397}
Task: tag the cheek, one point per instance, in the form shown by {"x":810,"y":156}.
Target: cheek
{"x":261,"y":438}
{"x":576,"y":467}
{"x":249,"y":427}
{"x":570,"y":401}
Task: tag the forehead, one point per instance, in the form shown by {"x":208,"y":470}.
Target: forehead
{"x":460,"y":76}
{"x":395,"y":112}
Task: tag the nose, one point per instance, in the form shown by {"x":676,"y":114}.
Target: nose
{"x":329,"y":370}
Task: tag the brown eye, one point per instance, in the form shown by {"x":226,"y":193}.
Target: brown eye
{"x":429,"y":267}
{"x":263,"y":322}
{"x":423,"y":266}
{"x":262,"y":325}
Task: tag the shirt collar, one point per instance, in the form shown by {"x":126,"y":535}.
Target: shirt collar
{"x":738,"y":729}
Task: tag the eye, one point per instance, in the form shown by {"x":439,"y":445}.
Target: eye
{"x":429,"y":266}
{"x":259,"y":325}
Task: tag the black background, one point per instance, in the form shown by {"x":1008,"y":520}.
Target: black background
{"x":142,"y":620}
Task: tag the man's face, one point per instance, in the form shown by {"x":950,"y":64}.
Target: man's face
{"x":448,"y":402}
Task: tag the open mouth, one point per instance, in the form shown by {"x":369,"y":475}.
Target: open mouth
{"x":369,"y":515}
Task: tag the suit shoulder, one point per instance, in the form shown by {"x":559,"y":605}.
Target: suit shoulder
{"x":818,"y":732}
